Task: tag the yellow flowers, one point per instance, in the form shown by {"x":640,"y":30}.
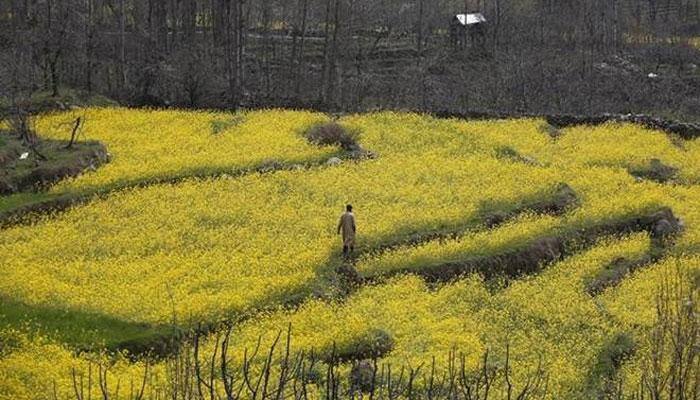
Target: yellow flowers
{"x":210,"y":249}
{"x":40,"y":369}
{"x":207,"y":249}
{"x":472,"y":245}
{"x":547,"y":316}
{"x":149,"y":145}
{"x":695,"y":42}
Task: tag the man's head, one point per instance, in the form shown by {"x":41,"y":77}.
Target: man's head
{"x":348,"y":208}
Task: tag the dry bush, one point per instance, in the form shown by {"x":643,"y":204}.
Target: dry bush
{"x":333,"y":134}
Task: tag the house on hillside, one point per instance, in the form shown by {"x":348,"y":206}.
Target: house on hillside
{"x":463,"y":26}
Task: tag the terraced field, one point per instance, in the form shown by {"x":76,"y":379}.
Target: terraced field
{"x":475,"y":237}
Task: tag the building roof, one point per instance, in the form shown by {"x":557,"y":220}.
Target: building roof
{"x":470,"y":19}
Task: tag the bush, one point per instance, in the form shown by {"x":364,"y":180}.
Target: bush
{"x":220,"y":125}
{"x":506,"y":152}
{"x":362,"y":376}
{"x":605,"y":374}
{"x":611,"y":276}
{"x":269,"y":165}
{"x":656,"y":171}
{"x":509,"y":153}
{"x":375,"y":343}
{"x":332,"y":134}
{"x":617,"y":351}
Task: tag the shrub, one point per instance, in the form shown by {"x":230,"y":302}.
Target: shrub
{"x":612,"y":275}
{"x":613,"y":355}
{"x":655,"y":171}
{"x":509,"y":153}
{"x":362,"y":376}
{"x":220,"y":125}
{"x":373,"y":344}
{"x":332,"y":134}
{"x":269,"y":165}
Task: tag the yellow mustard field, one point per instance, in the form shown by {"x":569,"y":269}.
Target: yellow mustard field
{"x":264,"y":245}
{"x":548,"y":316}
{"x":156,"y":146}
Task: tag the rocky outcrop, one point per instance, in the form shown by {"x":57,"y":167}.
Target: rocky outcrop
{"x":685,"y":130}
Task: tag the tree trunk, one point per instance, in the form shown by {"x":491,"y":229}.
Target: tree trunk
{"x":46,"y":65}
{"x":240,"y":49}
{"x":419,"y":28}
{"x":295,"y":47}
{"x":232,"y":46}
{"x":300,"y":56}
{"x":53,"y":47}
{"x":173,"y":22}
{"x":333,"y":64}
{"x":89,"y":32}
{"x":122,"y":46}
{"x":19,"y":14}
{"x":189,"y":20}
{"x":161,"y":25}
{"x":55,"y":79}
{"x":326,"y":46}
{"x":267,"y":46}
{"x":219,"y":23}
{"x":496,"y":24}
{"x":616,"y":25}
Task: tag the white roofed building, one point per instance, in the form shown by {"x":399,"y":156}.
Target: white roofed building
{"x":470,"y":19}
{"x":467,"y":25}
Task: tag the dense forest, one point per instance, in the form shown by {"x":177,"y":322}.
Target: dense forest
{"x":532,"y":56}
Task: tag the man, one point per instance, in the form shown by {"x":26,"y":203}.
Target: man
{"x":346,"y":226}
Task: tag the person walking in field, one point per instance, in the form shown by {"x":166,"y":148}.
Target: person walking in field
{"x":347,"y":228}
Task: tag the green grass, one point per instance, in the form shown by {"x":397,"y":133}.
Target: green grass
{"x":8,"y":204}
{"x":23,"y":174}
{"x":80,"y":330}
{"x":220,"y":125}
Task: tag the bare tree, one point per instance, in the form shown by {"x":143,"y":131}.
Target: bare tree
{"x":347,"y":54}
{"x":671,"y":370}
{"x":277,"y":371}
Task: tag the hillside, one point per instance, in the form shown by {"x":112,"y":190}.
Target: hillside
{"x":545,"y":249}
